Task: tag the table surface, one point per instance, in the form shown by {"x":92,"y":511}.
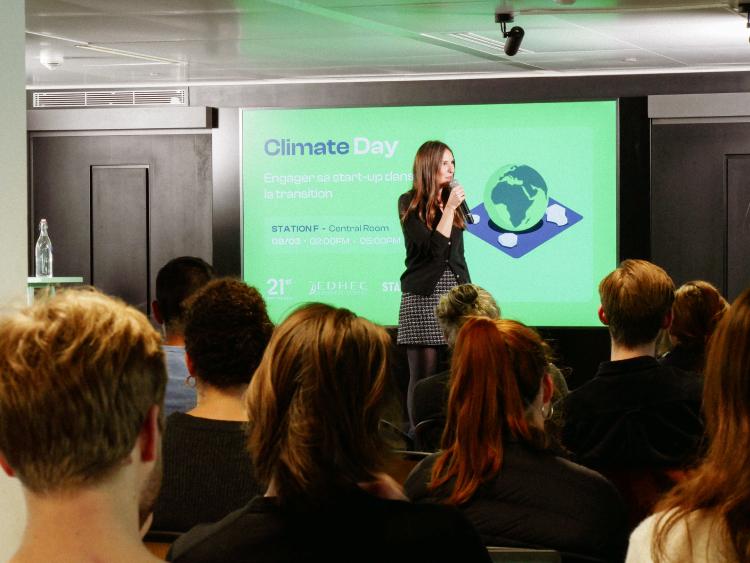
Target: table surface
{"x":54,"y":280}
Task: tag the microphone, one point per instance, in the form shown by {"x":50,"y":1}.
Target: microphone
{"x":468,"y":217}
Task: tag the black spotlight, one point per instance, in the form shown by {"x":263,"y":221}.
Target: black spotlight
{"x":513,"y":37}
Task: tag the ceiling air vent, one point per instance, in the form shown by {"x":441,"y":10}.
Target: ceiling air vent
{"x":59,"y":99}
{"x":109,"y":98}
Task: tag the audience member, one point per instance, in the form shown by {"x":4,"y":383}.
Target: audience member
{"x":176,"y":281}
{"x":494,"y":465}
{"x":635,"y":412}
{"x":431,"y":393}
{"x":314,"y":406}
{"x":705,"y":518}
{"x":82,"y":380}
{"x":698,"y":307}
{"x":636,"y":421}
{"x":207,"y":470}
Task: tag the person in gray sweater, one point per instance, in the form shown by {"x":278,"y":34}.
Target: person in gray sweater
{"x":207,"y":470}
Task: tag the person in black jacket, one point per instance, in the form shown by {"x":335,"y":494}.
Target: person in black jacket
{"x":635,"y":413}
{"x":495,"y":465}
{"x":433,"y":235}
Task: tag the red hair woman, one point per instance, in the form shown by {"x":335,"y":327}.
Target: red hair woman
{"x":697,"y":309}
{"x":495,"y":466}
{"x":433,"y":235}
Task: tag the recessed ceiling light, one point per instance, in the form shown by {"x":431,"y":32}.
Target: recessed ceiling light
{"x":630,"y":60}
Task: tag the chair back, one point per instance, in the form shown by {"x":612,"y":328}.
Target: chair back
{"x":522,"y":555}
{"x":642,"y":487}
{"x":402,"y":462}
{"x":395,"y":435}
{"x":158,"y":543}
{"x":428,"y":433}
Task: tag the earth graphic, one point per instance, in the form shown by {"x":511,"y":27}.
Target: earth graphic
{"x":518,"y":199}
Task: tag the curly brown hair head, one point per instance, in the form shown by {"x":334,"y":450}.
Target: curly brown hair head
{"x":226,"y":331}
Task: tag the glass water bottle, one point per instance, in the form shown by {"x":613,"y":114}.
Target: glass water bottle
{"x":43,"y":252}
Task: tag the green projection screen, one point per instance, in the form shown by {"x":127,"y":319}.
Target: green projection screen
{"x":319,"y":204}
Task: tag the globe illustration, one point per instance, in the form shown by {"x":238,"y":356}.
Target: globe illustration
{"x":516,"y":197}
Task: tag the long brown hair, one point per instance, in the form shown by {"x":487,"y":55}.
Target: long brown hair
{"x":426,"y":193}
{"x":720,"y":486}
{"x":496,"y":372}
{"x":315,"y":402}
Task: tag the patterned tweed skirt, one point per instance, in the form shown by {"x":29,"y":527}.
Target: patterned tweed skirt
{"x":417,"y":323}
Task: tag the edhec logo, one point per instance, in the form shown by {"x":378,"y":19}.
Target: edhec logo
{"x":337,"y":287}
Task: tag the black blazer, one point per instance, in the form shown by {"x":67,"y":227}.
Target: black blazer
{"x":539,"y":501}
{"x":428,"y":252}
{"x":352,"y":526}
{"x":635,"y":413}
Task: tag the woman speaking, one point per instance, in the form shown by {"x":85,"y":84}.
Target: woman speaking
{"x":433,"y":235}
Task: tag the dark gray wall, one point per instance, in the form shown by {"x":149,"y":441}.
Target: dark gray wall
{"x":700,"y":197}
{"x":175,"y":184}
{"x":119,"y":220}
{"x":227,"y":198}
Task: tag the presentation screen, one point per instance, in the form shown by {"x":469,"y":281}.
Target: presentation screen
{"x":320,"y":190}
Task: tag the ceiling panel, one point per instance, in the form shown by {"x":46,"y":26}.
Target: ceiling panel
{"x":694,"y":29}
{"x":251,"y":40}
{"x":624,"y":60}
{"x":711,"y":57}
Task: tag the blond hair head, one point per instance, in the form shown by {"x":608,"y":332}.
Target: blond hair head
{"x":461,"y":302}
{"x":78,"y":375}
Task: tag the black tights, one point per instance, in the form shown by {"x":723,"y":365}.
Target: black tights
{"x":423,"y":362}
